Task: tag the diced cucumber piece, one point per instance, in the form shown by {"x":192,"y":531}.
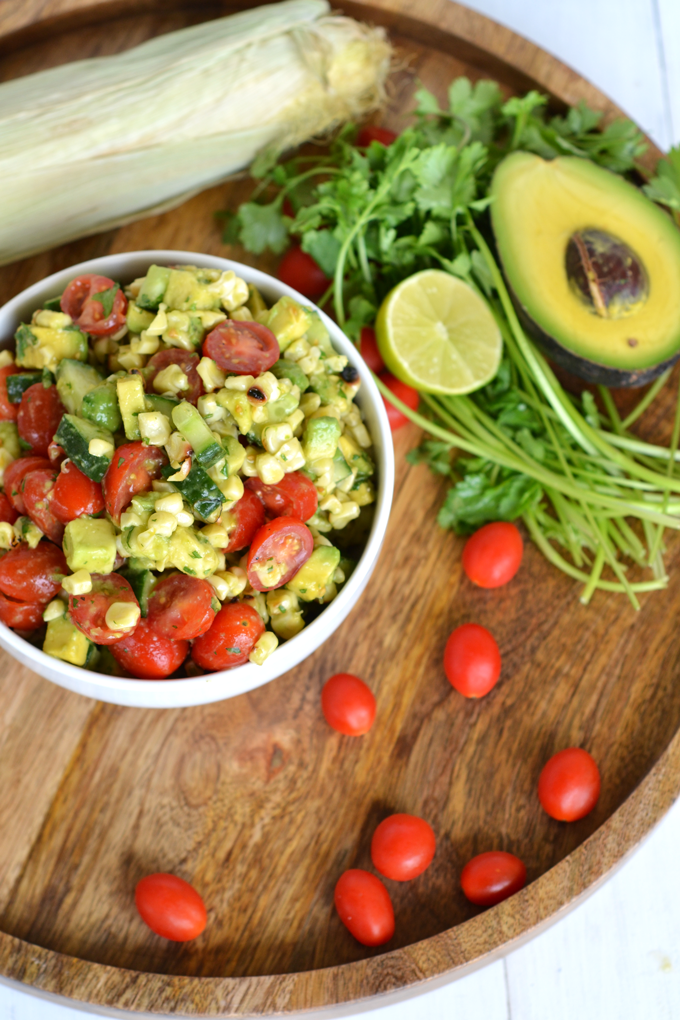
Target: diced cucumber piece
{"x":137,"y":318}
{"x":74,"y":380}
{"x":130,"y":390}
{"x":320,"y":439}
{"x":53,"y":304}
{"x":74,"y":435}
{"x":19,"y":383}
{"x":155,"y":402}
{"x":200,"y":492}
{"x":284,"y":369}
{"x":189,"y":423}
{"x":142,"y":583}
{"x":153,"y":288}
{"x":100,"y":406}
{"x":340,"y":467}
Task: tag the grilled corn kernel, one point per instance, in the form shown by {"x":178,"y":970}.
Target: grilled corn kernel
{"x":53,"y":610}
{"x":216,"y":535}
{"x":231,"y":289}
{"x":128,"y":359}
{"x":100,"y":448}
{"x":79,"y":583}
{"x":52,"y":320}
{"x":145,"y":343}
{"x":360,"y":433}
{"x":274,"y":436}
{"x":242,"y":314}
{"x":319,"y":539}
{"x":327,"y":411}
{"x":161,"y":523}
{"x":159,"y":324}
{"x":130,"y":519}
{"x":7,"y":538}
{"x":158,"y":485}
{"x":309,"y":363}
{"x":6,"y":359}
{"x":269,"y":385}
{"x":298,"y":349}
{"x":348,"y":512}
{"x":219,"y":585}
{"x":249,"y":467}
{"x":331,"y":503}
{"x":353,"y":416}
{"x":228,"y":584}
{"x":291,"y":456}
{"x":336,"y":363}
{"x":269,"y":469}
{"x":26,"y":530}
{"x":296,"y":419}
{"x":209,"y":318}
{"x":339,"y":575}
{"x":210,"y":410}
{"x":185,"y":518}
{"x":177,"y":448}
{"x":257,"y":600}
{"x":309,"y":403}
{"x":281,"y":601}
{"x":122,"y":616}
{"x":264,"y":648}
{"x":170,"y":504}
{"x":171,"y":380}
{"x":154,"y":426}
{"x":240,"y":383}
{"x":212,"y":375}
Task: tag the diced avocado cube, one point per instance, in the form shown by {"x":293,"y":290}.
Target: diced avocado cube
{"x":279,"y":410}
{"x":318,"y":335}
{"x":320,"y":438}
{"x":100,"y":406}
{"x":363,"y":493}
{"x":316,"y":574}
{"x":191,"y":553}
{"x":190,"y":424}
{"x":357,"y":459}
{"x":74,"y":380}
{"x":185,"y":292}
{"x":90,"y":544}
{"x":288,"y":321}
{"x":284,"y":369}
{"x":130,"y":390}
{"x":329,"y":389}
{"x":137,"y":318}
{"x":236,"y":454}
{"x":153,"y":288}
{"x":255,"y":303}
{"x":42,"y":347}
{"x":183,"y":330}
{"x":9,"y":438}
{"x":239,"y":408}
{"x":64,"y":641}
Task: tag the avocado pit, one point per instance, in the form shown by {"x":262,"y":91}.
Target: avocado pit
{"x":605,"y":274}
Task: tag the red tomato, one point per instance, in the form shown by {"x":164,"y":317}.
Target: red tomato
{"x":348,"y":704}
{"x":7,"y":511}
{"x":148,"y":655}
{"x":231,"y":639}
{"x":569,"y":785}
{"x":21,"y":615}
{"x":8,"y":411}
{"x":37,"y":488}
{"x":186,"y":361}
{"x":88,"y":612}
{"x":242,"y":348}
{"x":402,"y":847}
{"x":277,"y":552}
{"x":368,"y":348}
{"x":14,"y":476}
{"x":364,"y":907}
{"x":133,"y":468}
{"x":472,"y":661}
{"x":179,"y":608}
{"x":248,"y":517}
{"x":32,"y":575}
{"x":373,"y":133}
{"x":491,"y":877}
{"x":170,"y":907}
{"x":300,"y":271}
{"x":39,"y":415}
{"x":492,"y":556}
{"x":405,"y":393}
{"x":75,"y":494}
{"x":294,"y":496}
{"x":80,"y":300}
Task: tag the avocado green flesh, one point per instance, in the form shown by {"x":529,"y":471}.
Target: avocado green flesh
{"x":537,"y":206}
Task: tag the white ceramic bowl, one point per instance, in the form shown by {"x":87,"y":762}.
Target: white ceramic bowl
{"x":226,"y":683}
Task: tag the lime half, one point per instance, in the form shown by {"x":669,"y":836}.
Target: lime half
{"x":436,"y":333}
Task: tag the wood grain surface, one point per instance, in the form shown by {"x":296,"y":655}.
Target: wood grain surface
{"x":255,"y":800}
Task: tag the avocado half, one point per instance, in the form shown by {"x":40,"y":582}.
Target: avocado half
{"x":593,"y":265}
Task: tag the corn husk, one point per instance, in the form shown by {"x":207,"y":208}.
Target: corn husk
{"x":97,"y":143}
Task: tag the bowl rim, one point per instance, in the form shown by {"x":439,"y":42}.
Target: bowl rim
{"x":223,"y":684}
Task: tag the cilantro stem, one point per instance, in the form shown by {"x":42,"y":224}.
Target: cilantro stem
{"x":649,"y":396}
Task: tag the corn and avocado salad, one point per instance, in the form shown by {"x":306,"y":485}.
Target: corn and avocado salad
{"x":187,"y":477}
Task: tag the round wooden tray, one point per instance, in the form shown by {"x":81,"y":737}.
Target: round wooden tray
{"x":255,"y":799}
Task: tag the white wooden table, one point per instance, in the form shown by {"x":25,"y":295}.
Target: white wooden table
{"x":617,"y":957}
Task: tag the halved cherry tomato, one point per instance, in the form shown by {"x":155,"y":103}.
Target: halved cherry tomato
{"x":186,"y":361}
{"x":37,"y":488}
{"x":403,"y":847}
{"x":88,"y":612}
{"x":74,"y":494}
{"x":472,"y":661}
{"x":368,"y":348}
{"x":8,"y":411}
{"x":405,"y":393}
{"x":248,"y":517}
{"x":294,"y":496}
{"x":300,"y":271}
{"x":21,"y":615}
{"x":348,"y":704}
{"x":170,"y":907}
{"x":39,"y":415}
{"x":277,"y":552}
{"x":373,"y":133}
{"x":231,"y":639}
{"x":243,"y":348}
{"x":364,"y":907}
{"x":133,"y":468}
{"x":32,"y":575}
{"x":179,"y":607}
{"x":14,"y":476}
{"x":84,"y":299}
{"x":492,"y":556}
{"x":569,"y":785}
{"x":491,"y":877}
{"x":148,"y":655}
{"x":7,"y":511}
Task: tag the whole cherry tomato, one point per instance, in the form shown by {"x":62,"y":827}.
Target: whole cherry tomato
{"x":403,"y":847}
{"x":373,"y":133}
{"x":491,"y":877}
{"x":364,"y":907}
{"x":277,"y":552}
{"x":88,"y":612}
{"x":348,"y":704}
{"x":37,"y":488}
{"x":405,"y":393}
{"x":569,"y":785}
{"x":14,"y":476}
{"x":300,"y":271}
{"x":294,"y":496}
{"x":492,"y":556}
{"x":180,"y":607}
{"x":38,"y":417}
{"x":74,"y":494}
{"x":95,"y":303}
{"x":243,"y":348}
{"x":243,"y":520}
{"x":186,"y":361}
{"x":170,"y":907}
{"x":147,"y":655}
{"x":133,"y":468}
{"x":368,"y":348}
{"x":21,"y":615}
{"x":8,"y":411}
{"x":32,"y":575}
{"x":231,"y":638}
{"x":7,"y":511}
{"x":472,"y":661}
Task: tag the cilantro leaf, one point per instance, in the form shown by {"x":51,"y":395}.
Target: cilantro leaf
{"x":664,"y":188}
{"x":106,"y":299}
{"x":324,"y":248}
{"x":262,"y":227}
{"x":476,"y":500}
